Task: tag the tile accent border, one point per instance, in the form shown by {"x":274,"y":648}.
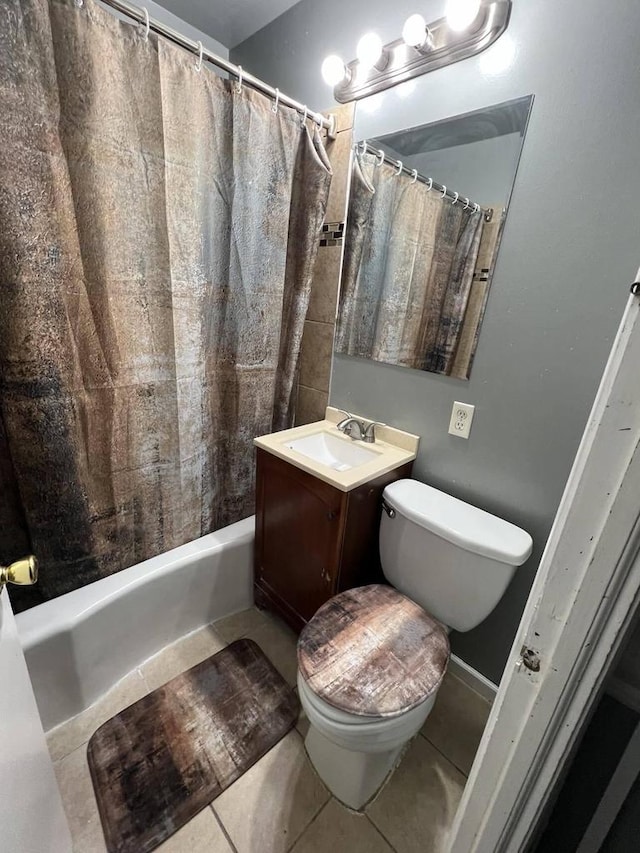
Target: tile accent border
{"x":332,"y":234}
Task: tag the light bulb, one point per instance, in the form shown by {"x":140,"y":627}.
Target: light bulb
{"x":414,"y":32}
{"x":369,"y":50}
{"x":333,"y":70}
{"x":461,"y":13}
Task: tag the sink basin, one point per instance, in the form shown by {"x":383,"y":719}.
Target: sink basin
{"x":332,"y":451}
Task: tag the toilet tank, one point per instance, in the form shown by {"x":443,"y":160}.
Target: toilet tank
{"x":451,"y":558}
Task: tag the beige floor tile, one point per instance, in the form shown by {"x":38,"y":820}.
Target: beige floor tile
{"x":239,"y":624}
{"x":201,"y":835}
{"x":337,"y":830}
{"x":76,"y":789}
{"x":67,"y":737}
{"x":457,"y":721}
{"x":181,"y":656}
{"x":415,"y":810}
{"x":280,"y":644}
{"x":267,"y":809}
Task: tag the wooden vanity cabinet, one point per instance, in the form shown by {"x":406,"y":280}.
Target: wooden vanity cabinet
{"x":312,"y":539}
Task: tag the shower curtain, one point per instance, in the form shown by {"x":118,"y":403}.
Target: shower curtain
{"x":409,"y":264}
{"x":158,"y":230}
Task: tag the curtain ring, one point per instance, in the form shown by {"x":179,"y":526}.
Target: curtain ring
{"x":274,"y":106}
{"x":457,"y":196}
{"x":304,"y":115}
{"x":364,"y":147}
{"x":476,"y":207}
{"x":466,"y":203}
{"x":146,"y":23}
{"x":318,"y":120}
{"x":414,"y":176}
{"x":399,"y":167}
{"x":199,"y":62}
{"x":430,"y":184}
{"x":444,"y":191}
{"x":380,"y":157}
{"x":239,"y":83}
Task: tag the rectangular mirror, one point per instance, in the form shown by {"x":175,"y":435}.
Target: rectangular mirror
{"x":426,"y":211}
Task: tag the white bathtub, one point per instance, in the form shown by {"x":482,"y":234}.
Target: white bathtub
{"x":80,"y":644}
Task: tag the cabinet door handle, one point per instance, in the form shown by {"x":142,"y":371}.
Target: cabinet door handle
{"x":332,"y":514}
{"x":326,"y":576}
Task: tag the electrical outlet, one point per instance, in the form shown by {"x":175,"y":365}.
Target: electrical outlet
{"x":461,"y":418}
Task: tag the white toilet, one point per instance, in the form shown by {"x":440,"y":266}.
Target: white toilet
{"x":371,"y":660}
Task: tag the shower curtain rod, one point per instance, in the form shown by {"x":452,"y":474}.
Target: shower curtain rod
{"x":142,"y":16}
{"x":365,"y":148}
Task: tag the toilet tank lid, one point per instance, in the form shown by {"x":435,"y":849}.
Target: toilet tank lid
{"x":459,"y":523}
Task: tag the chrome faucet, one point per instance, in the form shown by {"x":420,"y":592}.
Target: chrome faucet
{"x":352,"y":427}
{"x":358,"y":430}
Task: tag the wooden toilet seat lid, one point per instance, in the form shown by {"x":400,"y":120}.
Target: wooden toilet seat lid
{"x":371,"y":651}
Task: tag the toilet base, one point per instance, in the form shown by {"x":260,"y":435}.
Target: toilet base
{"x":354,"y":778}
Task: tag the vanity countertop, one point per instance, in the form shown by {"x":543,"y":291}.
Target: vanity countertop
{"x":391,"y":449}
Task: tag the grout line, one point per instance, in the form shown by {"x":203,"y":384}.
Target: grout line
{"x":380,"y":832}
{"x":446,"y":757}
{"x":313,"y":820}
{"x":223,"y":828}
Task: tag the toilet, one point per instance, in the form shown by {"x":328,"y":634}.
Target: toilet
{"x":371,"y":659}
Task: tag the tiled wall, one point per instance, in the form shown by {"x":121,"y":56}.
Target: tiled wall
{"x":317,"y":341}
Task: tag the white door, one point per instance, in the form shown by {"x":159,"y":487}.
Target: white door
{"x":584,"y":597}
{"x":31,"y":816}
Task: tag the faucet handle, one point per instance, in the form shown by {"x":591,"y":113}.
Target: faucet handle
{"x":369,"y":434}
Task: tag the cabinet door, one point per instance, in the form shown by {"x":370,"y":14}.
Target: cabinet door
{"x":299,"y":533}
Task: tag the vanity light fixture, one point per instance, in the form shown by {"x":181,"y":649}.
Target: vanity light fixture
{"x":461,"y":13}
{"x":468,"y":28}
{"x":415,"y":33}
{"x":333,"y":70}
{"x":370,"y":52}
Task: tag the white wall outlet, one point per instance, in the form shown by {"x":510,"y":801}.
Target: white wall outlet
{"x":461,"y":418}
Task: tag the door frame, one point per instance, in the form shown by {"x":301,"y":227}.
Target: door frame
{"x":581,"y":605}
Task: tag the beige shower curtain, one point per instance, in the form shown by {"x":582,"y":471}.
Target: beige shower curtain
{"x":158,"y":230}
{"x":409,"y":265}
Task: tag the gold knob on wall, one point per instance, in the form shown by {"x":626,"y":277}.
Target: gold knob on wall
{"x":23,"y":572}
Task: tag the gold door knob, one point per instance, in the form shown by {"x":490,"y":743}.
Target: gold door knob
{"x":23,"y":572}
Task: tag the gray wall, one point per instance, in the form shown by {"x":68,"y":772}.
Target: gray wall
{"x":569,"y":251}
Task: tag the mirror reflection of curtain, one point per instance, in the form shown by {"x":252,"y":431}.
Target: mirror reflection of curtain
{"x":159,"y":230}
{"x":410,"y":262}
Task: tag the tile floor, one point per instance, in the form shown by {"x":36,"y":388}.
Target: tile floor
{"x":280,"y":805}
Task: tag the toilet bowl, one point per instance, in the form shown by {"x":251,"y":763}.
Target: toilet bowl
{"x":354,"y":754}
{"x":371,"y":660}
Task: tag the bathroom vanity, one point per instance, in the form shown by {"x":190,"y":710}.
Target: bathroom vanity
{"x":318,"y":505}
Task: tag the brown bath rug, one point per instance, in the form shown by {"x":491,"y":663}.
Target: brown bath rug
{"x":159,"y":762}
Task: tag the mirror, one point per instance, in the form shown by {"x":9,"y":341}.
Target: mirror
{"x":426,"y":211}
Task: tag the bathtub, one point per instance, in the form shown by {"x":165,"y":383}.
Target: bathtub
{"x":79,"y":645}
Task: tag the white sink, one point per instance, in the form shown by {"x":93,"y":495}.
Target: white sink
{"x":331,"y":450}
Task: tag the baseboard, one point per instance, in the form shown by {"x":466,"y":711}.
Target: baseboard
{"x":472,"y":678}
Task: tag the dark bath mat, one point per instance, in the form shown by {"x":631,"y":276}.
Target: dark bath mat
{"x":159,"y":762}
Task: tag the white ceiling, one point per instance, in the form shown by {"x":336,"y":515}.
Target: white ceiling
{"x":228,"y":21}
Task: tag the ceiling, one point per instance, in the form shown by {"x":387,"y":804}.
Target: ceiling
{"x":228,"y":21}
